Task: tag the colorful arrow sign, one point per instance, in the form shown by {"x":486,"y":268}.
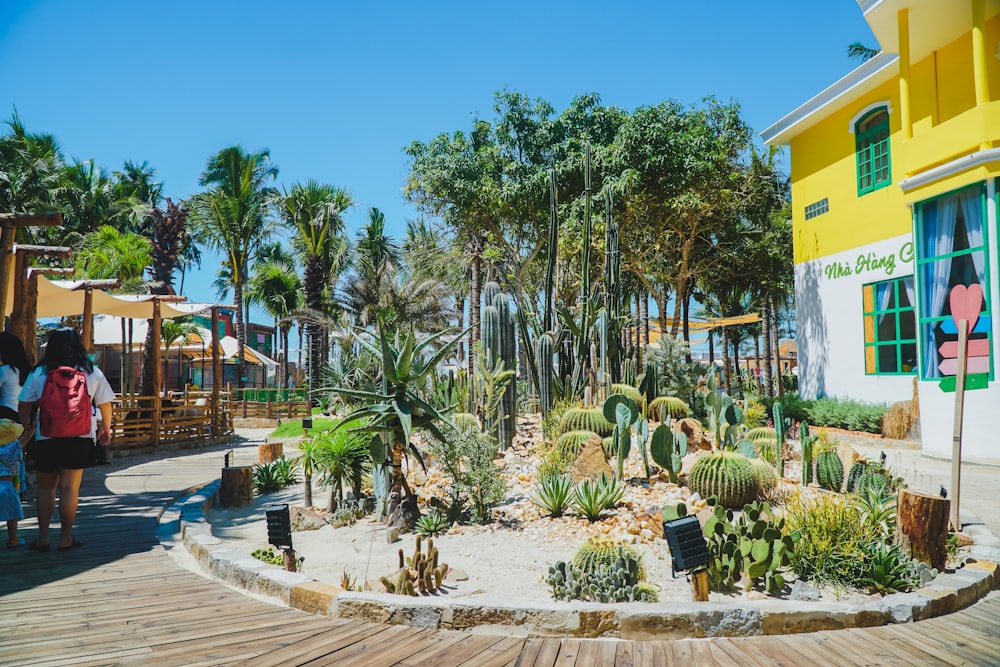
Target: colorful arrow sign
{"x":966,"y":303}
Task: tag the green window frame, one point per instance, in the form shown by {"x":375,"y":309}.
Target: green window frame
{"x":890,"y":327}
{"x":871,"y":137}
{"x":961,"y":261}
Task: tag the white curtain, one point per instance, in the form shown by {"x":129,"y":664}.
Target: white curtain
{"x":908,"y":285}
{"x":939,"y":220}
{"x":972,"y":211}
{"x":883,"y":292}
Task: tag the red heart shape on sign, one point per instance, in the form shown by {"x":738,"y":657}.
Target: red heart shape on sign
{"x":965,"y":304}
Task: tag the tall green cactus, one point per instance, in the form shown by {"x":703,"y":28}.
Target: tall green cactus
{"x":543,"y":358}
{"x":807,"y":453}
{"x":830,"y":471}
{"x":780,"y":425}
{"x":622,"y":412}
{"x":490,"y":319}
{"x":508,"y":352}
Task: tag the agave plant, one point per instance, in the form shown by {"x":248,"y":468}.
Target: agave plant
{"x":432,"y":524}
{"x":552,"y":494}
{"x":590,"y":499}
{"x":398,"y":408}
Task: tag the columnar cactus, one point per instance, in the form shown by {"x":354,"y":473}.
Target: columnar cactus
{"x":829,"y":471}
{"x":727,"y":475}
{"x":508,"y":352}
{"x":807,"y":453}
{"x":543,"y":357}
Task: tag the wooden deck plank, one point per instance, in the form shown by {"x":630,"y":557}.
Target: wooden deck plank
{"x":322,"y":644}
{"x":495,"y":655}
{"x":409,"y":643}
{"x":539,"y":653}
{"x":370,"y":645}
{"x":442,"y":642}
{"x":466,"y":649}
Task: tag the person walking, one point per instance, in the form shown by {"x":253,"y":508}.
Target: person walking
{"x":64,"y":387}
{"x":14,"y":372}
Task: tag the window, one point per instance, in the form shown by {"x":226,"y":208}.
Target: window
{"x":890,"y":327}
{"x":951,"y":250}
{"x":872,"y":145}
{"x":818,"y":208}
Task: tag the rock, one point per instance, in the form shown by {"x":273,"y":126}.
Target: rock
{"x":590,"y":462}
{"x":695,"y":434}
{"x":391,"y":535}
{"x":457,"y":575}
{"x":306,"y":518}
{"x":802,"y":591}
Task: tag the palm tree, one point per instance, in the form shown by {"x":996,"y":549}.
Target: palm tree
{"x":232,"y":217}
{"x":277,"y":289}
{"x":31,"y":169}
{"x":107,"y":253}
{"x":88,"y":201}
{"x":376,"y":257}
{"x":343,"y":456}
{"x":858,"y":51}
{"x":172,"y":332}
{"x":313,"y":211}
{"x":309,"y":458}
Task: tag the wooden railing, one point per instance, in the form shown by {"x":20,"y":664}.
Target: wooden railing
{"x":271,"y":403}
{"x":134,"y":422}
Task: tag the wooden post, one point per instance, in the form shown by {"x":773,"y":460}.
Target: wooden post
{"x":157,"y":371}
{"x":87,"y":326}
{"x":236,"y":489}
{"x":270,"y":451}
{"x":699,"y":586}
{"x":10,"y":223}
{"x":923,"y":527}
{"x":289,"y":560}
{"x":956,"y":441}
{"x":216,"y":374}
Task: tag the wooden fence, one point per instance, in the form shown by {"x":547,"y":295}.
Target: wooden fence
{"x":140,"y":421}
{"x":271,"y":403}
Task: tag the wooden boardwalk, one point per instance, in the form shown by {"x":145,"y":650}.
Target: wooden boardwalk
{"x":122,"y":600}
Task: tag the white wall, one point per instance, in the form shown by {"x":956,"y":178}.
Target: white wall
{"x":829,"y":317}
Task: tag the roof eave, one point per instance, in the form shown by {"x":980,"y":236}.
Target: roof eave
{"x":867,"y":75}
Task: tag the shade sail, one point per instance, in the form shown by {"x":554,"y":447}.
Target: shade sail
{"x":62,"y":298}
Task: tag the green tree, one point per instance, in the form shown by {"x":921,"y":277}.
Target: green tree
{"x":233,"y":217}
{"x":343,"y":457}
{"x":108,"y":253}
{"x":313,"y":211}
{"x":31,"y":170}
{"x":172,"y":331}
{"x":277,"y":289}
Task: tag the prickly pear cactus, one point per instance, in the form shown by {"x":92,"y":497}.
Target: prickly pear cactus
{"x":727,"y":475}
{"x":668,"y":449}
{"x":829,"y":471}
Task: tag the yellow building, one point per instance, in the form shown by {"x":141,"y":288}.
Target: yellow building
{"x":894,"y":190}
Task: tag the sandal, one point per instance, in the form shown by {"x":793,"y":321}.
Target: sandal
{"x":76,"y":543}
{"x":35,"y":546}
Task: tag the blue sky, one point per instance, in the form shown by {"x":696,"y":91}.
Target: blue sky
{"x":336,"y":90}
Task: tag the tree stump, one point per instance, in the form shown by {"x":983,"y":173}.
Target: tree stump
{"x":922,"y":522}
{"x":271,"y":451}
{"x":236,"y":489}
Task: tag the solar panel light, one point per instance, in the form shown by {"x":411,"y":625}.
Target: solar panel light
{"x":279,"y":526}
{"x":688,"y":549}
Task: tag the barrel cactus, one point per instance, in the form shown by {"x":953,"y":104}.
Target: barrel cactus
{"x":662,"y":407}
{"x":767,"y":476}
{"x":465,"y":420}
{"x":728,"y":476}
{"x":857,"y":470}
{"x":829,"y":471}
{"x":586,"y":419}
{"x":571,"y":441}
{"x":631,"y":392}
{"x":601,"y":552}
{"x":760,"y":433}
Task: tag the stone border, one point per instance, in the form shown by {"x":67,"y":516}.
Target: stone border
{"x":946,"y":594}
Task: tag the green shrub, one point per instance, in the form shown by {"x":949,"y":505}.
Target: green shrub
{"x":467,"y":456}
{"x":268,"y":555}
{"x":834,"y":533}
{"x":556,"y":461}
{"x":269,"y":477}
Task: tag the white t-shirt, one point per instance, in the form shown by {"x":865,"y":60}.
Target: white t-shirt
{"x":10,"y":387}
{"x":97,"y":386}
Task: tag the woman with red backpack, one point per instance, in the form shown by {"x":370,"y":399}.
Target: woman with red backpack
{"x":64,"y":387}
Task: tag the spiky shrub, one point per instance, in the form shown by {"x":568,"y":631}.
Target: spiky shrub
{"x":726,"y":475}
{"x":465,"y":420}
{"x":611,"y":490}
{"x":431,"y":524}
{"x":833,"y":532}
{"x":756,"y":413}
{"x":664,"y":406}
{"x":555,"y":461}
{"x":589,"y":499}
{"x":600,"y":552}
{"x":889,"y":570}
{"x":830,"y":471}
{"x":553,"y":494}
{"x":586,"y":419}
{"x":571,"y":441}
{"x":767,"y":476}
{"x":272,"y":476}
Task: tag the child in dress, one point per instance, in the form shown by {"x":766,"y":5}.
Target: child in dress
{"x":11,"y":456}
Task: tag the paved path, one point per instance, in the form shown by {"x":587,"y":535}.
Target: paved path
{"x":121,"y":600}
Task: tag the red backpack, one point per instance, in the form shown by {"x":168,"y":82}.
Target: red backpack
{"x":64,"y":410}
